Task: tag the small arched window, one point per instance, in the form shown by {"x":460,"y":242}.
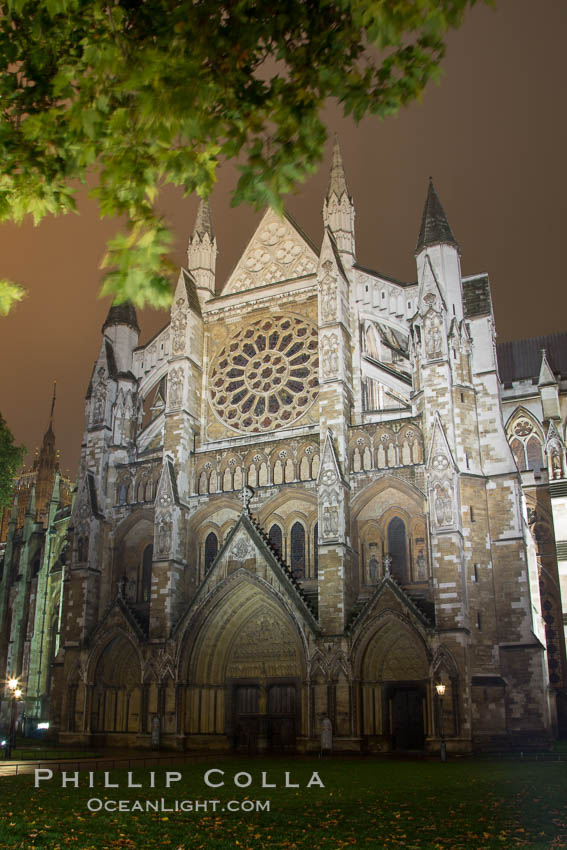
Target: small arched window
{"x":146,"y":582}
{"x":534,"y":455}
{"x":211,"y":550}
{"x":123,"y":493}
{"x":397,"y":549}
{"x":275,"y":535}
{"x":298,"y":550}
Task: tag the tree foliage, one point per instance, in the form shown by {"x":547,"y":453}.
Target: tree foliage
{"x":146,"y":92}
{"x":11,"y":457}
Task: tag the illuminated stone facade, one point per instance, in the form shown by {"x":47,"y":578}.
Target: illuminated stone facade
{"x":299,"y":500}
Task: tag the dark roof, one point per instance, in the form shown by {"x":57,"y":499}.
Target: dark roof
{"x":191,"y":290}
{"x":521,"y":358}
{"x":434,"y":225}
{"x":122,"y":314}
{"x":476,"y":296}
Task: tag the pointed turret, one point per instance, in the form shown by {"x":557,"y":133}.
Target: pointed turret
{"x":122,"y":314}
{"x":338,"y":209}
{"x":435,"y":229}
{"x":438,"y":249}
{"x":122,"y":329}
{"x":548,"y":389}
{"x":337,"y":182}
{"x":202,"y":252}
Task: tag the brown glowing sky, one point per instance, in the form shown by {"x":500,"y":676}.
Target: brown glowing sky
{"x":494,"y":137}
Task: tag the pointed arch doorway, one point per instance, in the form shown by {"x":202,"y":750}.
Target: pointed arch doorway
{"x":395,"y":676}
{"x":245,"y":668}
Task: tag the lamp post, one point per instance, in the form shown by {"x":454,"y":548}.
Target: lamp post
{"x":15,"y":693}
{"x":440,"y":688}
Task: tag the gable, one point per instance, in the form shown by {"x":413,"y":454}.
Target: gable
{"x":278,"y":251}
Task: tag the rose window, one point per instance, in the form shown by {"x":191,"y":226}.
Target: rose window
{"x":266,"y":375}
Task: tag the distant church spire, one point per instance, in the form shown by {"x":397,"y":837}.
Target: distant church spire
{"x":52,"y":403}
{"x":337,"y":182}
{"x":435,"y":228}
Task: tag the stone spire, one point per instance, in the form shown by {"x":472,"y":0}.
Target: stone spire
{"x":202,"y":253}
{"x":337,"y":182}
{"x":338,"y":209}
{"x":204,"y":221}
{"x":435,"y":228}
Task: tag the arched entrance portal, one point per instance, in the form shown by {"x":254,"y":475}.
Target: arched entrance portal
{"x":245,"y":669}
{"x":394,"y":691}
{"x":116,"y":696}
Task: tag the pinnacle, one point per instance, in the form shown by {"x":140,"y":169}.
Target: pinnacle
{"x":337,"y":182}
{"x":204,"y":221}
{"x":434,"y":228}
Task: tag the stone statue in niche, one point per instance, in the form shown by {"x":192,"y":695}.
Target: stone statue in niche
{"x":438,"y":505}
{"x":556,"y":471}
{"x":433,"y":342}
{"x":99,"y":396}
{"x":420,"y":566}
{"x":373,"y":570}
{"x":176,"y":388}
{"x":328,"y":295}
{"x":178,"y":326}
{"x":330,"y":520}
{"x":447,"y":508}
{"x":326,"y":735}
{"x":330,"y":355}
{"x":164,"y":536}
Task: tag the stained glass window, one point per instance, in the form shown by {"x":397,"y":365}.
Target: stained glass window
{"x":267,"y":375}
{"x":146,"y":584}
{"x":275,"y":535}
{"x":397,"y":549}
{"x":211,"y":550}
{"x":298,"y":550}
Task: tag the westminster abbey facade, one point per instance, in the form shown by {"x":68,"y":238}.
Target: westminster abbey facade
{"x":314,"y":494}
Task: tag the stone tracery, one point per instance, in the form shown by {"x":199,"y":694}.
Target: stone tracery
{"x":266,"y":375}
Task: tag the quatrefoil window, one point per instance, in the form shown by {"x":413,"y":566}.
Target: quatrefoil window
{"x":266,"y":375}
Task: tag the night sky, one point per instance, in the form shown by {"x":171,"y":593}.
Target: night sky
{"x":493,"y":135}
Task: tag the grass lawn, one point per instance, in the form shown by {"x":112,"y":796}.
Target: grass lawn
{"x":365,"y":803}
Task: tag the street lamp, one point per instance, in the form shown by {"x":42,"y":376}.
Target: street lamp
{"x":15,"y":694}
{"x":440,"y":688}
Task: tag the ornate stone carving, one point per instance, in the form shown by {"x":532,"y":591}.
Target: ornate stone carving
{"x":178,"y":326}
{"x":276,"y":253}
{"x":241,"y":550}
{"x":266,"y":374}
{"x":433,"y":339}
{"x":330,"y":520}
{"x":99,"y":396}
{"x":330,"y":353}
{"x":328,"y":294}
{"x":443,"y":506}
{"x":164,"y":529}
{"x":523,"y":427}
{"x":175,"y":387}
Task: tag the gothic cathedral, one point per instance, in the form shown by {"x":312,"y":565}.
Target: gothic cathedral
{"x":311,"y":497}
